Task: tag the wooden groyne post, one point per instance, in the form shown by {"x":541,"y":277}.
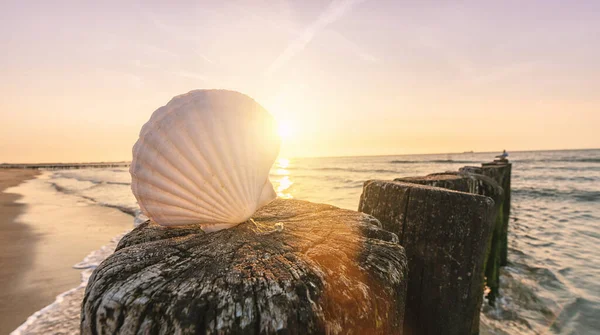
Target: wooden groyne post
{"x":297,"y":268}
{"x":445,"y":234}
{"x":471,"y":182}
{"x":499,"y":170}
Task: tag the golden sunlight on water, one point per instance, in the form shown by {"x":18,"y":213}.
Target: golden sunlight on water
{"x":282,"y":178}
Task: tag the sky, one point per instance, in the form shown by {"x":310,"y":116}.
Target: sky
{"x":78,"y":79}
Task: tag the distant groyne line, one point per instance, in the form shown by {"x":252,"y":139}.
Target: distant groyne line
{"x":66,"y":166}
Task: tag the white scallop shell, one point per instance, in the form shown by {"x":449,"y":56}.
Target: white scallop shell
{"x":204,"y":158}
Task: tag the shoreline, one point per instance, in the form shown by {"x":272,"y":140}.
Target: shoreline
{"x":16,"y":244}
{"x":44,"y":234}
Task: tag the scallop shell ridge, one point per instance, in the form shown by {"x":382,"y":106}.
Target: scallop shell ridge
{"x":204,"y":158}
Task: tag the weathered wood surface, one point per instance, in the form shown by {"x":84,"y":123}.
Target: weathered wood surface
{"x":476,"y":183}
{"x":463,"y":182}
{"x":501,"y":172}
{"x":328,"y":271}
{"x":445,"y":236}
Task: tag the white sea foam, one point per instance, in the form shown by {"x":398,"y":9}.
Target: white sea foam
{"x":106,"y":187}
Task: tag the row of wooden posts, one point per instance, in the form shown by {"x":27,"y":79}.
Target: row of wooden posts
{"x":453,"y":227}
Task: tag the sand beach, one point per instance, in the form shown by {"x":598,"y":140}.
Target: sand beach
{"x":16,"y":254}
{"x":43,"y":234}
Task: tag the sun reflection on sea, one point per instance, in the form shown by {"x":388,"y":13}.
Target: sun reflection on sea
{"x":283,"y":163}
{"x":281,"y":178}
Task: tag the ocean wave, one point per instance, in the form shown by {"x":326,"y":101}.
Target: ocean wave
{"x":588,"y":196}
{"x":91,"y":180}
{"x":130,"y":210}
{"x":115,"y":183}
{"x":579,"y":195}
{"x":96,"y":176}
{"x":560,"y":160}
{"x":435,"y":161}
{"x":356,"y":170}
{"x":586,"y":168}
{"x":60,"y":189}
{"x":348,"y":186}
{"x":125,"y":209}
{"x":574,"y":160}
{"x":587,"y":160}
{"x":545,"y":177}
{"x":71,"y":191}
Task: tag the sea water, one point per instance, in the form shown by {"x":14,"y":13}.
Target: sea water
{"x":552,"y":281}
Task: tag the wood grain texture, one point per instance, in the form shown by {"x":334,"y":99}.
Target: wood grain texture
{"x":471,"y":180}
{"x":328,"y":271}
{"x":501,"y":173}
{"x":445,"y":235}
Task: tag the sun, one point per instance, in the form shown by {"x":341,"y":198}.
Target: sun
{"x":285,"y":129}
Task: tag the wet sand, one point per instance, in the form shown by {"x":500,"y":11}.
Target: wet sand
{"x":16,"y":243}
{"x":41,"y":240}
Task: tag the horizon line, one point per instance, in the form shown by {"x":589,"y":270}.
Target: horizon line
{"x":9,"y":165}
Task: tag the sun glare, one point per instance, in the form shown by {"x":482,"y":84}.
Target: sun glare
{"x":285,"y":130}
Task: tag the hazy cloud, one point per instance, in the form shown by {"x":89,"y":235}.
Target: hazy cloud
{"x":333,"y":13}
{"x":357,"y":50}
